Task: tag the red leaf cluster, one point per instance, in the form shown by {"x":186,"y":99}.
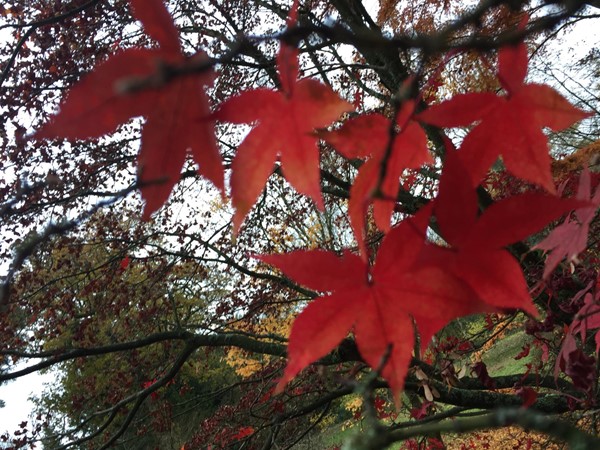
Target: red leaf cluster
{"x":570,"y":238}
{"x":377,"y":303}
{"x":413,"y":283}
{"x":368,"y":136}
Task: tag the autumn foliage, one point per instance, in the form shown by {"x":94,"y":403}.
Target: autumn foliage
{"x":464,"y":244}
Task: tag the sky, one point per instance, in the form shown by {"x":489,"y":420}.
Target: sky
{"x":15,"y":394}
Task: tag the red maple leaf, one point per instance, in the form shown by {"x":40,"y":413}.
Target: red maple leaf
{"x":377,"y":303}
{"x":146,"y":384}
{"x":125,"y":262}
{"x":176,"y":113}
{"x":528,"y":395}
{"x":511,"y":125}
{"x":586,"y":319}
{"x":480,"y":369}
{"x":570,"y":238}
{"x":421,"y":411}
{"x":582,"y":370}
{"x":368,"y":136}
{"x":476,"y":254}
{"x":285,"y":123}
{"x":243,"y":433}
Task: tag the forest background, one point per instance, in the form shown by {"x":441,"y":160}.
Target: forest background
{"x":167,"y":326}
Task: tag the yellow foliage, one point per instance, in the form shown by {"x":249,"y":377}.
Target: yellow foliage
{"x":499,"y":332}
{"x":218,"y":203}
{"x":353,"y":404}
{"x":326,"y":422}
{"x":415,"y":15}
{"x":312,"y":235}
{"x":504,"y":438}
{"x":510,"y":438}
{"x":245,"y":363}
{"x":467,"y":71}
{"x":586,"y":156}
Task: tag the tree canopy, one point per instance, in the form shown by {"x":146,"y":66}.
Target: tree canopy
{"x":254,"y":224}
